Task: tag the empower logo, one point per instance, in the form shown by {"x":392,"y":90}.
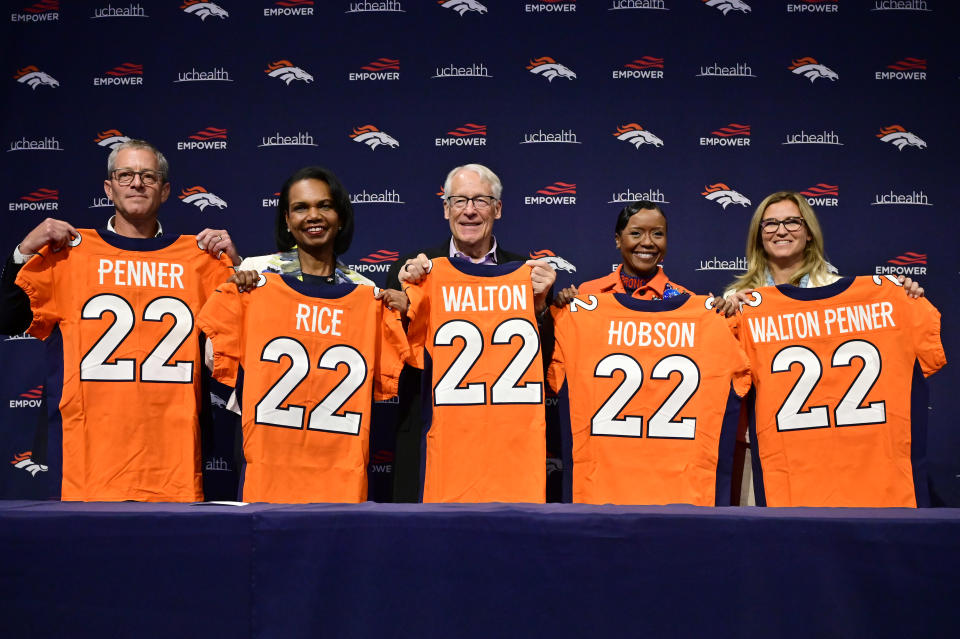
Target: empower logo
{"x":271,"y":202}
{"x":642,"y":68}
{"x":379,"y":69}
{"x":810,"y":68}
{"x":211,"y":138}
{"x":814,"y":6}
{"x":376,"y":262}
{"x":290,"y":8}
{"x":285,"y":71}
{"x":23,"y":461}
{"x":128,"y":73}
{"x":547,"y":67}
{"x":906,"y":69}
{"x":822,"y":194}
{"x":731,"y":135}
{"x":373,"y":137}
{"x":636,"y":135}
{"x":34,"y":77}
{"x":43,"y":11}
{"x":554,"y":260}
{"x":726,"y":6}
{"x":567,"y":6}
{"x":381,"y":462}
{"x":462,"y":6}
{"x":629,"y":196}
{"x":900,"y":137}
{"x":724,"y":195}
{"x":204,"y":10}
{"x":201,"y":198}
{"x":46,"y":144}
{"x":469,"y":134}
{"x":42,"y":199}
{"x":557,"y":193}
{"x":909,"y":263}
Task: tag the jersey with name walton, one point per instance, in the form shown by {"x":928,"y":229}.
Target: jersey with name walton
{"x":485,"y":435}
{"x":838,"y":371}
{"x":307,"y":361}
{"x":124,"y":383}
{"x":653,"y":388}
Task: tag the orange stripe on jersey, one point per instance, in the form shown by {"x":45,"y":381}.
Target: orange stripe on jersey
{"x":487,"y":436}
{"x":833,"y":369}
{"x":311,"y":360}
{"x":131,"y":361}
{"x":649,"y":382}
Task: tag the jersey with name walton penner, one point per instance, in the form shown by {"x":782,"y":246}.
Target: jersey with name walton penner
{"x":485,"y":436}
{"x":654,"y":388}
{"x":124,"y":372}
{"x":840,"y":417}
{"x":307,"y":361}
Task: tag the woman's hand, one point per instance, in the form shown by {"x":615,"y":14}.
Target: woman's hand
{"x":245,"y":280}
{"x":564,"y":296}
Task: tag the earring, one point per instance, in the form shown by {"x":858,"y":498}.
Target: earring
{"x":288,"y":229}
{"x":339,"y":228}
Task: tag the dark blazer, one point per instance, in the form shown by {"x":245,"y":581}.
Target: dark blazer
{"x":442,"y":250}
{"x":15,"y":313}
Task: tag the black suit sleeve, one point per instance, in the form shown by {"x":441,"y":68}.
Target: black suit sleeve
{"x":15,"y":314}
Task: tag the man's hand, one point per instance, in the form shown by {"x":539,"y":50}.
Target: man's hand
{"x":245,"y":280}
{"x":215,"y":241}
{"x":563,"y":297}
{"x":542,"y":276}
{"x":50,"y":232}
{"x":414,"y":270}
{"x":912,"y":287}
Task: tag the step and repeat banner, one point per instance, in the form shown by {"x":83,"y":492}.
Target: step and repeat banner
{"x":580,"y":106}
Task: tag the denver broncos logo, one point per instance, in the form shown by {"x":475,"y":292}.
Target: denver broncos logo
{"x":201,"y":198}
{"x":285,"y":70}
{"x":204,"y":9}
{"x":24,"y":462}
{"x":34,"y":77}
{"x":728,"y":5}
{"x":724,"y":195}
{"x":900,"y":137}
{"x":110,"y":138}
{"x":462,"y":6}
{"x":550,"y":69}
{"x":557,"y":262}
{"x":636,"y":135}
{"x":373,"y":137}
{"x":810,"y":68}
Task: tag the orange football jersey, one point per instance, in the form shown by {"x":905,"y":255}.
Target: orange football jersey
{"x":307,"y":361}
{"x":837,"y":370}
{"x":485,"y":436}
{"x":128,"y":392}
{"x":653,"y":387}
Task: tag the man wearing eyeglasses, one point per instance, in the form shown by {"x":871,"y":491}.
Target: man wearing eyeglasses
{"x":471,"y":206}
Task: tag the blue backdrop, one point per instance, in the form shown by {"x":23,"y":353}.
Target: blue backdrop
{"x":703,"y":105}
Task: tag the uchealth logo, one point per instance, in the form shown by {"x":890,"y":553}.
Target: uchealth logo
{"x":629,"y":195}
{"x":547,"y":67}
{"x":810,"y":68}
{"x":636,"y":135}
{"x":647,"y":67}
{"x":217,"y":74}
{"x":209,"y":139}
{"x":563,"y":136}
{"x":289,"y":8}
{"x":913,"y":198}
{"x":43,"y":11}
{"x":469,"y":134}
{"x":378,"y":70}
{"x":110,"y":139}
{"x":823,"y":137}
{"x":731,"y":135}
{"x":735,"y":70}
{"x":724,"y":195}
{"x":373,"y":137}
{"x":48,"y":143}
{"x":723,"y":264}
{"x":900,"y":5}
{"x":110,"y":11}
{"x":463,"y":6}
{"x":554,"y":260}
{"x":562,"y":193}
{"x":128,"y":73}
{"x":726,"y":6}
{"x":619,"y":5}
{"x":204,"y":10}
{"x":201,"y":198}
{"x":906,"y":69}
{"x":376,"y":262}
{"x":475,"y":70}
{"x":900,"y":137}
{"x":23,"y":461}
{"x":43,"y":199}
{"x":387,"y":196}
{"x":814,"y":6}
{"x":287,"y":72}
{"x":34,"y":77}
{"x":381,"y":6}
{"x":909,"y":263}
{"x":822,"y":194}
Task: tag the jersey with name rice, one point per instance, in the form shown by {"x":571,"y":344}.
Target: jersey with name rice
{"x":485,"y":436}
{"x":839,"y":419}
{"x":124,"y":372}
{"x":653,"y":387}
{"x":307,"y":361}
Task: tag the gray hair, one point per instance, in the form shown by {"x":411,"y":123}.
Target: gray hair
{"x":162,"y":165}
{"x":495,"y":185}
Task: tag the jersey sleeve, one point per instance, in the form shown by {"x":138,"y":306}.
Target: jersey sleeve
{"x":926,"y":336}
{"x":419,"y":314}
{"x":221,"y":319}
{"x":37,"y":278}
{"x":556,"y":370}
{"x":394,"y":351}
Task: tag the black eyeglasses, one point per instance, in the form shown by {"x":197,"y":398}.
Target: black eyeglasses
{"x":124,"y":177}
{"x":791,"y":224}
{"x":480,"y":202}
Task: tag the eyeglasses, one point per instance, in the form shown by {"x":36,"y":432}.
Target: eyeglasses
{"x":790,"y":224}
{"x":124,"y":177}
{"x":480,"y":202}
